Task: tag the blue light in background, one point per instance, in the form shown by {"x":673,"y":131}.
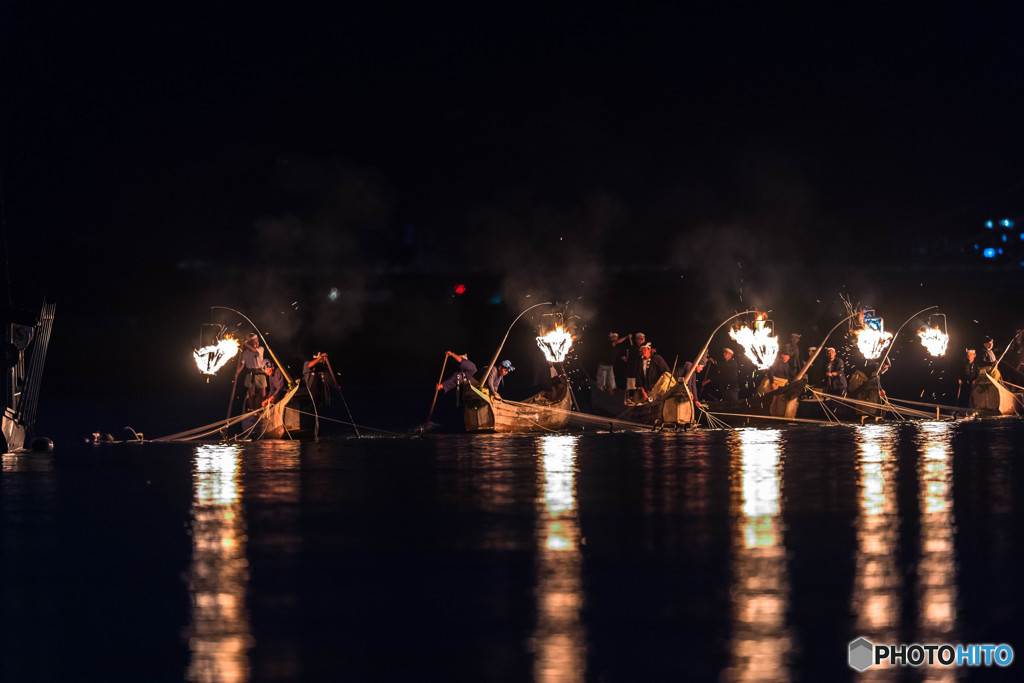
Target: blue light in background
{"x":976,"y":246}
{"x":989,"y":224}
{"x":989,"y":253}
{"x":1004,"y":237}
{"x":1000,"y":251}
{"x":1007,"y":223}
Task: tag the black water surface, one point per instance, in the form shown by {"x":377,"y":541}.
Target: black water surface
{"x":706,"y":555}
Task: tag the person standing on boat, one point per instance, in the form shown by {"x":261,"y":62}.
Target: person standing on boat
{"x":251,"y":361}
{"x":988,"y":356}
{"x":968,"y":375}
{"x":634,"y":358}
{"x":464,"y":375}
{"x":792,"y":348}
{"x":779,"y":373}
{"x":319,"y":381}
{"x":606,"y":367}
{"x":649,"y":370}
{"x":691,"y":386}
{"x":835,"y":374}
{"x":496,"y":377}
{"x":726,"y":376}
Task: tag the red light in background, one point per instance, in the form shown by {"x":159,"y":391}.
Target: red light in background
{"x":460,"y":289}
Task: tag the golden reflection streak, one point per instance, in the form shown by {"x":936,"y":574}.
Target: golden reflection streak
{"x":219,"y":630}
{"x":937,"y":594}
{"x":877,"y":583}
{"x":559,"y":643}
{"x":761,"y":640}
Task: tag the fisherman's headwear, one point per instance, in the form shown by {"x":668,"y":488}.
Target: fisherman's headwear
{"x":613,"y":336}
{"x":727,"y":350}
{"x":507,"y":365}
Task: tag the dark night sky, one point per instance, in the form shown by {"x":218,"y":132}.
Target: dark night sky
{"x":273,"y":142}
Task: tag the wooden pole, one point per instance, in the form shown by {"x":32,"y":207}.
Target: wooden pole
{"x":436,"y":390}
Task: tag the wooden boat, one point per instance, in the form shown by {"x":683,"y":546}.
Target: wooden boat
{"x":276,"y":421}
{"x":672,"y":406}
{"x":992,"y":397}
{"x":546,"y":411}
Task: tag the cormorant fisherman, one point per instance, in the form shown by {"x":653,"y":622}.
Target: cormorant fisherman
{"x":251,"y":360}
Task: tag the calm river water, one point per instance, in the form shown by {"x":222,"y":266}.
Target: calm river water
{"x":748,"y":555}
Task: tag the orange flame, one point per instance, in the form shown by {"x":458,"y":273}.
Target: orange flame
{"x":759,"y":344}
{"x":935,"y":340}
{"x":555,"y":344}
{"x":210,"y":359}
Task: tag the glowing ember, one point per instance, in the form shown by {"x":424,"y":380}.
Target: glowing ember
{"x":210,"y":359}
{"x":872,"y":342}
{"x":935,"y":340}
{"x":758,"y":344}
{"x":555,"y":344}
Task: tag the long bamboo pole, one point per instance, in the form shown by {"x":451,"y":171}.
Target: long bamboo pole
{"x":502,"y":345}
{"x":821,"y":347}
{"x":264,"y":339}
{"x":436,"y":390}
{"x":886,"y":355}
{"x":693,"y":369}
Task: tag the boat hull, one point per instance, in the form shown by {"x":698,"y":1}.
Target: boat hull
{"x":543,"y":412}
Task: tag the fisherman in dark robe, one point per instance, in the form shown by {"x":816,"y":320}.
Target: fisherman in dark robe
{"x":835,"y":374}
{"x":649,"y":369}
{"x":816,"y":371}
{"x":275,"y":383}
{"x":691,"y":385}
{"x":968,"y":376}
{"x":725,"y":376}
{"x":780,"y":372}
{"x":316,"y":374}
{"x":464,"y":374}
{"x":496,"y":376}
{"x":792,"y":349}
{"x":988,"y":356}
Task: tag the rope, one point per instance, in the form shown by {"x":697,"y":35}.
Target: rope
{"x":328,"y":419}
{"x":885,"y":407}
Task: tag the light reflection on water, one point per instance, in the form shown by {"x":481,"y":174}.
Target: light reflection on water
{"x":937,"y":594}
{"x":877,"y":580}
{"x":761,"y":641}
{"x":220,"y":638}
{"x":706,"y":555}
{"x":559,"y":640}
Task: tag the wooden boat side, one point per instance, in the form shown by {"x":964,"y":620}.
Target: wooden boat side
{"x":279,"y":419}
{"x":673,"y":408}
{"x":539,"y":413}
